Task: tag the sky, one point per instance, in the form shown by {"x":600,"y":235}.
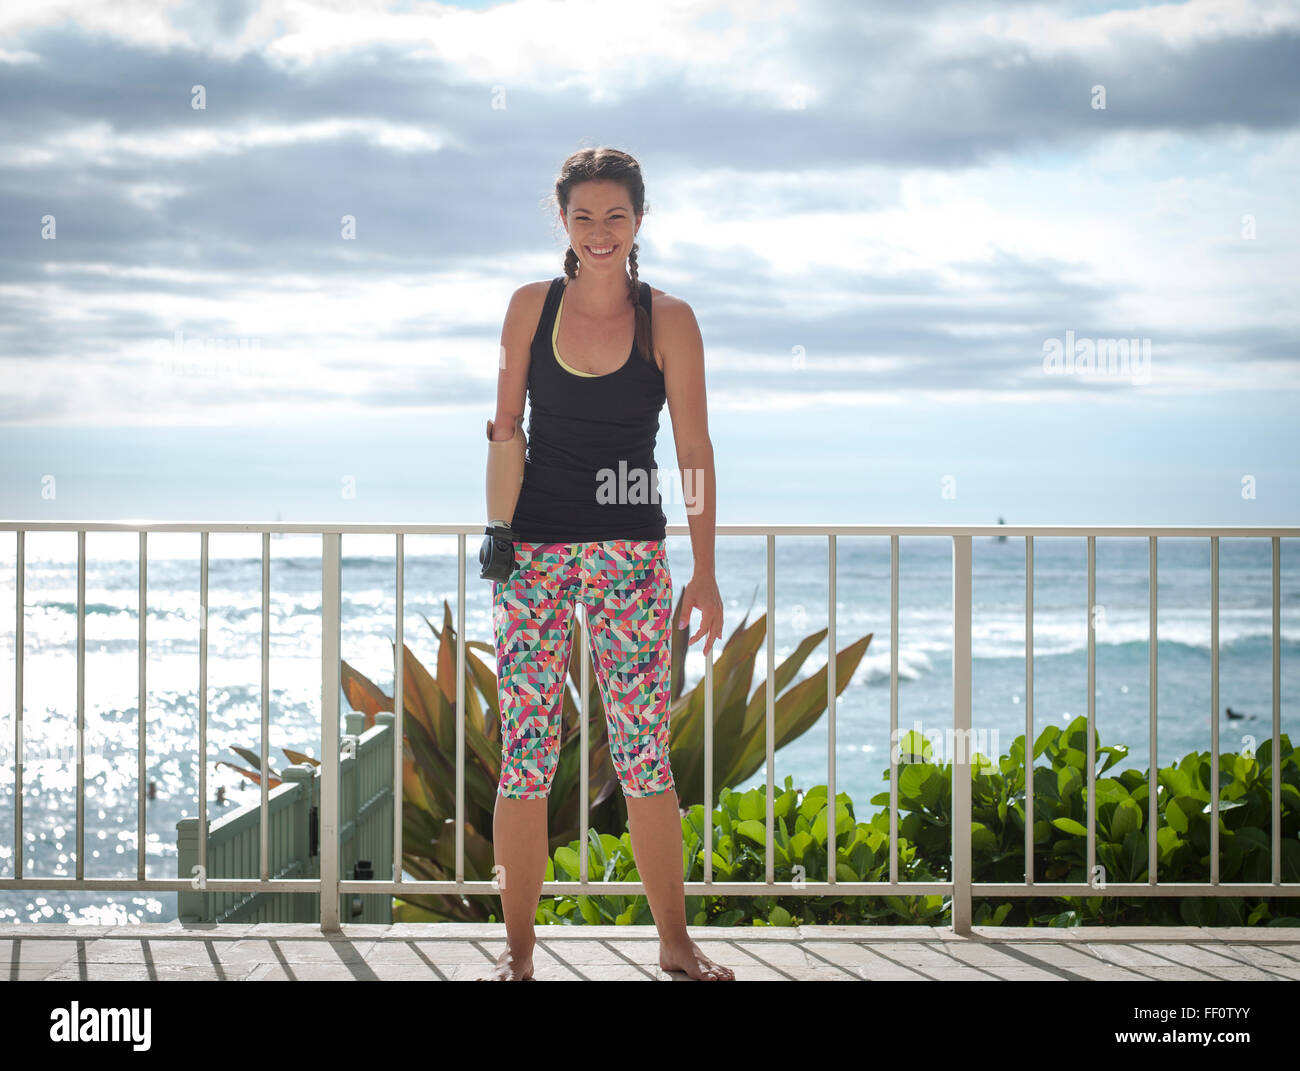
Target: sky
{"x":886,"y":218}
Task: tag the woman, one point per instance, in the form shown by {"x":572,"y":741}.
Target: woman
{"x":586,"y":529}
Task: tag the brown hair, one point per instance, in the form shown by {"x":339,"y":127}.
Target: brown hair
{"x":588,"y":165}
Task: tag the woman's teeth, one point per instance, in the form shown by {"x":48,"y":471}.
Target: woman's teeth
{"x":600,"y":252}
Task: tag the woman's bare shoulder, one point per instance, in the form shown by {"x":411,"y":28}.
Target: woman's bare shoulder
{"x":534,"y":292}
{"x":527,"y":300}
{"x":663,"y":299}
{"x":522,"y":315}
{"x":673,"y":324}
{"x":670,"y":311}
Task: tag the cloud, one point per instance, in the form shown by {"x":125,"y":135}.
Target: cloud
{"x":917,"y":197}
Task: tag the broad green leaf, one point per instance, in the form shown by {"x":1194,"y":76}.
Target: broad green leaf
{"x":567,"y":860}
{"x":779,"y":916}
{"x":1128,"y":817}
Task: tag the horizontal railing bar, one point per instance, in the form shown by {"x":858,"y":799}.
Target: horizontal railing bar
{"x":824,"y":888}
{"x":362,"y":528}
{"x":635,"y":888}
{"x":213,"y":885}
{"x":1138,"y":888}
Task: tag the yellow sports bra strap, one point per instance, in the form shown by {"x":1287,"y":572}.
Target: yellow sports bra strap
{"x":555,"y":332}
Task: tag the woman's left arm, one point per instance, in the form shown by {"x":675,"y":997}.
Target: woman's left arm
{"x":678,"y":339}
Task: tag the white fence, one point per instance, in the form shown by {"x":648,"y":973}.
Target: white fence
{"x":330,"y":884}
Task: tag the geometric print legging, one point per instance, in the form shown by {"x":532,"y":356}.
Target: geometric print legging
{"x":627,"y":592}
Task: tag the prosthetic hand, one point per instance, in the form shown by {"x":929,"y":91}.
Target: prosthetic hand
{"x":505,"y":476}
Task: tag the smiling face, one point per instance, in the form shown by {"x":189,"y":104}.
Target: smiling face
{"x":600,"y":223}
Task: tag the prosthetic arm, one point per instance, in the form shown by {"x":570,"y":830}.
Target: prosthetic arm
{"x":505,"y":476}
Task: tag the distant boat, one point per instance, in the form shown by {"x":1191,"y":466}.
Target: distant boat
{"x":1001,"y":538}
{"x":1233,"y":715}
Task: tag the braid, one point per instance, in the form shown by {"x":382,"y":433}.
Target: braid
{"x":632,"y":294}
{"x":571,"y":263}
{"x":644,"y":338}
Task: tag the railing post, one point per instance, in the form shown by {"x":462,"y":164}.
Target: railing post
{"x":961,"y":733}
{"x":330,"y":644}
{"x":384,"y":839}
{"x":351,"y":797}
{"x":299,"y":848}
{"x":190,"y":906}
{"x":299,"y":843}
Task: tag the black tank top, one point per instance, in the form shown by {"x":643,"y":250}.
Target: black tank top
{"x":590,"y":473}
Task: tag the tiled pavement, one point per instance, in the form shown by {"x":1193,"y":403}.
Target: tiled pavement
{"x":450,"y":951}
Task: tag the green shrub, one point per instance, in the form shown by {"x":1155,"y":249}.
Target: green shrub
{"x":800,"y":820}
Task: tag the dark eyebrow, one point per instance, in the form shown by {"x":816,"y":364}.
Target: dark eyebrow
{"x":620,"y":208}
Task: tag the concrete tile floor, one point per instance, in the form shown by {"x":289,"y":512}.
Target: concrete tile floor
{"x":452,"y":952}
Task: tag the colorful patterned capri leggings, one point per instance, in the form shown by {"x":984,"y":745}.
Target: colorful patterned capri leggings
{"x":627,"y":591}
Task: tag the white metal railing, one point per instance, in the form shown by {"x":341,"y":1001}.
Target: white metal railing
{"x":960,"y":888}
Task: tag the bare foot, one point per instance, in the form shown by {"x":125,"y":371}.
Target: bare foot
{"x":695,"y":963}
{"x":511,"y":967}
